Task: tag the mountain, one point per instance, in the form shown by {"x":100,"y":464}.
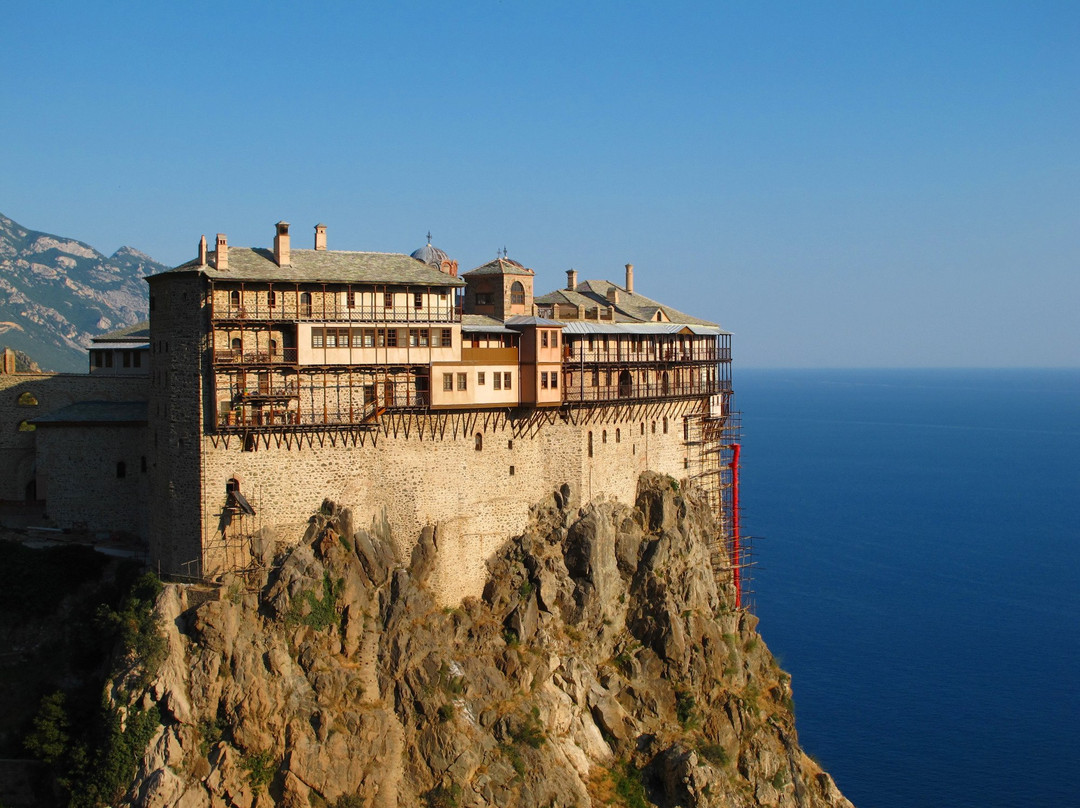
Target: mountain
{"x":56,"y":293}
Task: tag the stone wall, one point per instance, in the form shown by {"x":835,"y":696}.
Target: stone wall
{"x":477,"y":498}
{"x":83,"y":482}
{"x":51,"y":391}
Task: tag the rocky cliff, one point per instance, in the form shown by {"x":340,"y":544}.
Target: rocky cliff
{"x":603,"y":665}
{"x":56,"y":293}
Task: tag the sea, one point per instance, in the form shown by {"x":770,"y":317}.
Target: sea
{"x":917,"y":570}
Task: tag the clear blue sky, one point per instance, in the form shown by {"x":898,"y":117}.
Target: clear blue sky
{"x":840,"y":184}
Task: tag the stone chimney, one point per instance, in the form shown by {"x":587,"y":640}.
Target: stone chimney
{"x":320,"y":237}
{"x":222,"y":262}
{"x":282,"y":253}
{"x":571,"y":279}
{"x":7,"y":366}
{"x":629,"y":285}
{"x":202,"y":251}
{"x":613,"y":295}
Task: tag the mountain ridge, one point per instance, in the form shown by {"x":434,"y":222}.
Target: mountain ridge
{"x":57,"y":293}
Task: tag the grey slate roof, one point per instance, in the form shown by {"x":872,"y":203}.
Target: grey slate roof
{"x":631,"y":308}
{"x":522,"y":319}
{"x":133,"y":333}
{"x":501,"y":266}
{"x":317,"y":266}
{"x":96,"y":412}
{"x":481,"y":323}
{"x":594,"y":327}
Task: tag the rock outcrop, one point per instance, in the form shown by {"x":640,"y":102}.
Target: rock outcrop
{"x":603,"y":665}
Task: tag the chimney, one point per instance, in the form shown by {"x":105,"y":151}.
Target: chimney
{"x":282,"y":253}
{"x":8,"y":365}
{"x":222,"y":262}
{"x":202,"y":251}
{"x":630,"y":278}
{"x":571,"y":279}
{"x":320,"y":237}
{"x":613,"y":295}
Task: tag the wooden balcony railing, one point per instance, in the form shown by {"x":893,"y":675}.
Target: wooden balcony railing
{"x":283,"y":356}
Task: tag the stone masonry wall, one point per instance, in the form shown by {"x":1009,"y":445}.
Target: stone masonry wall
{"x":78,"y":468}
{"x":51,"y":391}
{"x":470,"y":495}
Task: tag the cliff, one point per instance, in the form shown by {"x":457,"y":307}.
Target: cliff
{"x":603,"y":665}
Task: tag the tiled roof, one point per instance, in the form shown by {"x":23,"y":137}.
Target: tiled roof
{"x":317,"y":266}
{"x":133,"y":333}
{"x":501,"y":266}
{"x":631,"y":308}
{"x":96,"y":412}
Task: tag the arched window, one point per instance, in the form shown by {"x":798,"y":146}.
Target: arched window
{"x":626,"y":384}
{"x":274,"y":348}
{"x":271,"y":298}
{"x":234,"y":298}
{"x":590,"y":445}
{"x":479,"y":443}
{"x":232,"y":485}
{"x":664,"y":384}
{"x":618,"y":435}
{"x":237,"y":346}
{"x":517,"y":294}
{"x":305,"y":304}
{"x":26,"y":400}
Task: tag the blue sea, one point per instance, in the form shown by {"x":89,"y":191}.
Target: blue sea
{"x":918,"y":573}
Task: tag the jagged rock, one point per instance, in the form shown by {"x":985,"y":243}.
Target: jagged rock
{"x":604,"y":640}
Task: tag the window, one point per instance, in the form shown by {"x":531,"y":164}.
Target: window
{"x":98,"y":359}
{"x":654,"y":427}
{"x":357,"y":338}
{"x":234,"y":298}
{"x":448,"y":382}
{"x":596,"y":378}
{"x":478,"y":442}
{"x":350,"y":300}
{"x":686,"y":429}
{"x":618,"y":436}
{"x":510,"y":444}
{"x":447,"y":338}
{"x":413,"y":337}
{"x":506,"y":381}
{"x":381,"y":338}
{"x":543,"y":339}
{"x":127,"y":359}
{"x":109,"y":358}
{"x":331,"y":338}
{"x":483,"y":298}
{"x":418,"y":300}
{"x":497,"y":378}
{"x":462,"y":381}
{"x":511,"y":471}
{"x":136,"y":358}
{"x":388,"y":300}
{"x":316,"y":338}
{"x":391,"y":338}
{"x":479,"y":377}
{"x":237,"y":346}
{"x":544,"y":380}
{"x":517,"y":294}
{"x":271,"y":298}
{"x":423,"y":337}
{"x":665,"y":424}
{"x":121,"y":470}
{"x":590,"y":445}
{"x":603,"y":436}
{"x":142,"y":464}
{"x":554,"y":339}
{"x":554,"y":379}
{"x":369,"y":337}
{"x":305,"y":304}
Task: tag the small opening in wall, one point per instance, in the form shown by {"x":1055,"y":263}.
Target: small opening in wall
{"x":511,"y":471}
{"x":603,"y":436}
{"x":142,"y":464}
{"x":479,"y":442}
{"x":250,"y":443}
{"x":590,"y":445}
{"x":121,"y":469}
{"x":686,"y":462}
{"x":642,"y":427}
{"x":618,"y":435}
{"x":635,"y":449}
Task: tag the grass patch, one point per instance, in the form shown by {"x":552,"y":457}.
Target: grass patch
{"x":714,"y":753}
{"x":260,"y":768}
{"x":686,"y":710}
{"x":443,"y":796}
{"x":323,"y":613}
{"x":629,"y":786}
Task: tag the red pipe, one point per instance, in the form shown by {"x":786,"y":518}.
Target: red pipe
{"x":736,"y":570}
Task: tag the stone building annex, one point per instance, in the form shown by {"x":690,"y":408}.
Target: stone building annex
{"x":272,"y":379}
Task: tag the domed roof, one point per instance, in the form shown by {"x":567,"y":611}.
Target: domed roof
{"x":432,"y":256}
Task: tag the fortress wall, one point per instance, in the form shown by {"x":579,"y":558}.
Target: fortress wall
{"x":471,"y":495}
{"x":52,"y":391}
{"x":77,"y":468}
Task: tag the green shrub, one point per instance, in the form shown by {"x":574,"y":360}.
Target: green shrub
{"x":443,"y":796}
{"x":629,"y":786}
{"x":446,"y":712}
{"x":686,"y":709}
{"x":260,"y":767}
{"x":323,"y":613}
{"x":714,"y":753}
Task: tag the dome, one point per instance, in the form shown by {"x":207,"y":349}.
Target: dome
{"x":432,"y":256}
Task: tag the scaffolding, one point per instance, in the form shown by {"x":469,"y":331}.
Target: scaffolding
{"x":714,"y":440}
{"x":232,"y":548}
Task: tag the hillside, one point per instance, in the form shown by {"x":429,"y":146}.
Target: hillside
{"x":604,"y":665}
{"x":56,"y":293}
